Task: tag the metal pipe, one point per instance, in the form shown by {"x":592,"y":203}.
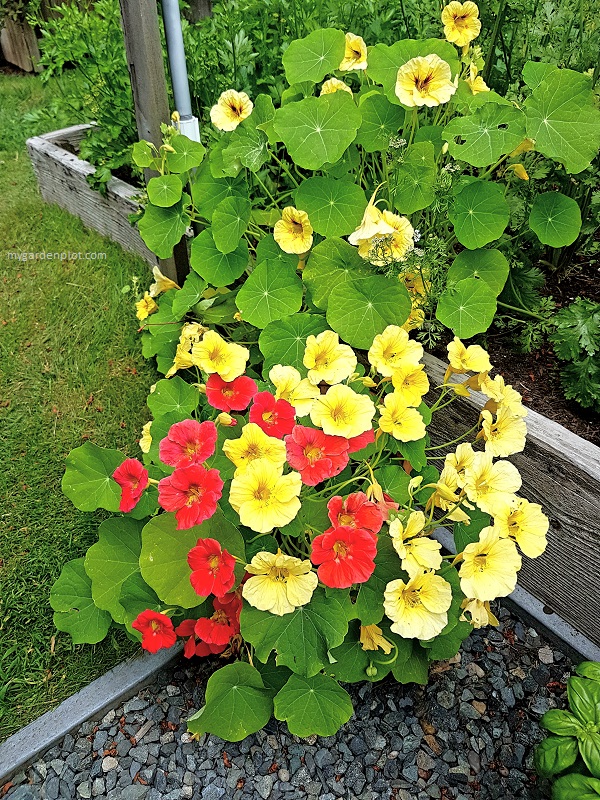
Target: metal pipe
{"x":179,"y":75}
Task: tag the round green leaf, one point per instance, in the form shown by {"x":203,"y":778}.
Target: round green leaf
{"x":284,"y":341}
{"x":488,"y":265}
{"x":316,"y":705}
{"x":576,"y":787}
{"x":142,"y":154}
{"x":416,"y":176}
{"x":411,"y":665}
{"x":208,"y":191}
{"x":163,"y":558}
{"x":359,"y":310}
{"x":187,"y":297}
{"x":351,"y":661}
{"x":467,"y":308}
{"x":331,"y":263}
{"x":313,"y":57}
{"x":229,"y":222}
{"x":249,"y":143}
{"x":369,"y":602}
{"x":219,"y":269}
{"x":380,"y":122}
{"x":490,"y":132}
{"x":237,"y":704}
{"x":334,"y":207}
{"x":555,"y":219}
{"x":173,"y":396}
{"x":320,"y":625}
{"x":165,"y":190}
{"x":188,"y":154}
{"x":75,"y":611}
{"x":268,"y":249}
{"x":136,"y":596}
{"x":271,"y":292}
{"x":317,"y":130}
{"x":88,"y":482}
{"x":162,"y":228}
{"x":479,"y":214}
{"x":113,"y":559}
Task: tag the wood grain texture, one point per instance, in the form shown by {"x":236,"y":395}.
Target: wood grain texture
{"x":19,"y":45}
{"x":561,"y":471}
{"x":62,"y":180}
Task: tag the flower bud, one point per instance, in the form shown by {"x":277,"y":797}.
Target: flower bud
{"x":226,"y":419}
{"x":371,"y":671}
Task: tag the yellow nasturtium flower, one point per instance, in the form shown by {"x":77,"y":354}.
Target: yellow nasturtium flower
{"x":419,"y":608}
{"x":254,"y":443}
{"x":459,"y":461}
{"x":355,"y":56}
{"x":446,"y":496}
{"x":327,"y":359}
{"x":410,"y":383}
{"x":231,"y":108}
{"x":213,"y":354}
{"x":263,"y":497}
{"x":490,"y":485}
{"x":461,"y":22}
{"x":403,"y":422}
{"x":424,"y":81}
{"x":489,"y":568}
{"x":505,"y":435}
{"x":467,"y":359}
{"x":343,"y":412}
{"x":519,"y":171}
{"x":293,"y":232}
{"x":145,"y":307}
{"x":503,"y":395}
{"x":394,"y":246}
{"x":279,"y":583}
{"x":392,"y":350}
{"x":372,"y":638}
{"x":334,"y":85}
{"x":291,"y":386}
{"x":475,"y":82}
{"x":146,"y":438}
{"x":524,"y":522}
{"x":481,"y":614}
{"x":417,"y":552}
{"x":161,"y":283}
{"x":372,"y":224}
{"x":183,"y":359}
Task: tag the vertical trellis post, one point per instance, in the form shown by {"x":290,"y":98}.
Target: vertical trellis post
{"x":149,"y":86}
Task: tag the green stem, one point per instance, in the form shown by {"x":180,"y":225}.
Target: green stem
{"x":522,"y":311}
{"x":454,"y":441}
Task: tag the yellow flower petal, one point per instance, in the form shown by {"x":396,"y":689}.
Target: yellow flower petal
{"x":418,"y":609}
{"x":263,"y":497}
{"x":145,"y":307}
{"x":293,"y":232}
{"x":253,"y":444}
{"x":343,"y":412}
{"x":355,"y":56}
{"x":231,"y":108}
{"x":424,"y":81}
{"x":327,"y":360}
{"x":334,"y":85}
{"x":461,"y":22}
{"x":280,"y":583}
{"x":392,"y":350}
{"x":489,"y":568}
{"x":404,"y":423}
{"x":214,"y":354}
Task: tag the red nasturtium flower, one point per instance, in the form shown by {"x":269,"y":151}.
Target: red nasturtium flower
{"x":276,"y":417}
{"x":212,"y":568}
{"x":188,"y":442}
{"x":355,"y":511}
{"x":345,"y":556}
{"x":156,"y":629}
{"x":223,"y":625}
{"x":315,"y":455}
{"x":357,"y":443}
{"x":192,"y":492}
{"x":230,"y":395}
{"x":193,"y":647}
{"x":132,"y":477}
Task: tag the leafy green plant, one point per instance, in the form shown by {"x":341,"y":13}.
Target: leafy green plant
{"x":571,"y":755}
{"x":576,"y":340}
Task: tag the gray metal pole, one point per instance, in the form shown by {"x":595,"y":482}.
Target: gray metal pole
{"x":177,"y":63}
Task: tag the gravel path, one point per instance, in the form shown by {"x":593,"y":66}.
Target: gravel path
{"x":468,"y":734}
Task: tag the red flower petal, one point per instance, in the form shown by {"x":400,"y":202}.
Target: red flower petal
{"x":345,"y":555}
{"x":156,"y":629}
{"x":315,"y":455}
{"x":275,"y":417}
{"x":132,"y":477}
{"x":356,"y":511}
{"x":188,"y":442}
{"x":230,"y":395}
{"x":212,"y":568}
{"x":192,"y":492}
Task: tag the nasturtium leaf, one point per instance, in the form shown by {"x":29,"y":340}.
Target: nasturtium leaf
{"x":334,"y":207}
{"x":433,"y":134}
{"x":271,"y":292}
{"x":534,"y":72}
{"x":142,"y":154}
{"x":219,"y":269}
{"x":369,"y":602}
{"x":319,"y":626}
{"x":351,"y":661}
{"x":162,"y":228}
{"x":229,"y":222}
{"x":188,"y":154}
{"x":249,"y":143}
{"x":113,"y":559}
{"x":385,"y":61}
{"x":447,"y":645}
{"x":416,"y":176}
{"x":88,"y":481}
{"x":467,"y":307}
{"x":207,"y":191}
{"x":74,"y":609}
{"x":163,"y":558}
{"x":173,"y":396}
{"x":187,"y":297}
{"x":268,"y":249}
{"x":162,"y":328}
{"x":237,"y":704}
{"x":313,"y":57}
{"x":555,"y":219}
{"x":317,"y":130}
{"x":555,"y":754}
{"x":331,"y":263}
{"x":489,"y":132}
{"x":359,"y":310}
{"x":380,"y":122}
{"x":490,"y":266}
{"x":562,"y":119}
{"x":479,"y":214}
{"x":394,"y":481}
{"x":315,"y":705}
{"x":284,"y":341}
{"x":135,"y":597}
{"x":467,"y":102}
{"x":411,"y":665}
{"x":575,"y":787}
{"x":165,"y":190}
{"x":467,"y":534}
{"x":274,"y":677}
{"x":297,"y":91}
{"x":413,"y":452}
{"x":222,"y":163}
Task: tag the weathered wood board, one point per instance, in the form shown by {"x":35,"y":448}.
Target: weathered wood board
{"x":61,"y":176}
{"x":19,"y":45}
{"x":561,"y":471}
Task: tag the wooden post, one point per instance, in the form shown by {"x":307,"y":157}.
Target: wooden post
{"x":149,"y":86}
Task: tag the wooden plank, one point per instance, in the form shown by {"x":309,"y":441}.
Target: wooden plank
{"x":19,"y":45}
{"x":561,"y":471}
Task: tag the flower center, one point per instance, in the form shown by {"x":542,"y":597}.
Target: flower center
{"x":481,"y":562}
{"x":321,"y":360}
{"x":214,"y":562}
{"x":297,"y":227}
{"x":227,"y":392}
{"x":155,"y":625}
{"x":412,"y":598}
{"x":313,"y":453}
{"x":190,"y":448}
{"x":341,"y":549}
{"x":262,"y":493}
{"x":253,"y":451}
{"x":194,"y":494}
{"x":346,"y":519}
{"x":270,"y":416}
{"x":220,"y":617}
{"x":279,"y":574}
{"x":217,"y":356}
{"x":339,"y":413}
{"x":422,"y":84}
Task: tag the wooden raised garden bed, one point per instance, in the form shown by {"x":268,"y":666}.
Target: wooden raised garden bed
{"x":561,"y":471}
{"x":62,"y":178}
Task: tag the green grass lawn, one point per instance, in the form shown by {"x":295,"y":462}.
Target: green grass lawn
{"x":71,"y":370}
